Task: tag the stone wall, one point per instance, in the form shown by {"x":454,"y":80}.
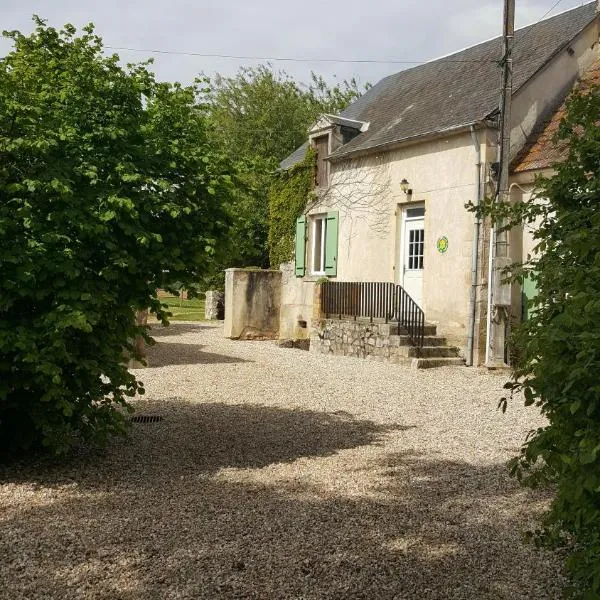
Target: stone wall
{"x":297,"y":300}
{"x":252,"y":303}
{"x":361,"y":339}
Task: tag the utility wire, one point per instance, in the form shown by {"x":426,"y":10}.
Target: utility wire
{"x":532,"y":27}
{"x":295,"y":59}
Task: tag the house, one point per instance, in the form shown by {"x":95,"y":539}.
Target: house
{"x":537,"y":158}
{"x":396,"y":168}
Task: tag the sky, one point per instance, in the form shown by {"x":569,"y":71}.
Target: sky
{"x":392,"y":30}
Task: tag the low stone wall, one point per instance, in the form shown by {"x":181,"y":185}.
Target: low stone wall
{"x":360,"y":338}
{"x":252,"y":303}
{"x":164,"y":294}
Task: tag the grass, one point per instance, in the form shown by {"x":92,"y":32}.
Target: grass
{"x":185,"y":310}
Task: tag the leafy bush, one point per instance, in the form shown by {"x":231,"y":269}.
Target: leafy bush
{"x":109,"y":189}
{"x":560,"y":344}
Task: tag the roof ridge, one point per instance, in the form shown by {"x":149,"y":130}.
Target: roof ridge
{"x":443,"y":95}
{"x":491,"y":39}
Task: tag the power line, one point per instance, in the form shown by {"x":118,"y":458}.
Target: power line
{"x":532,"y":27}
{"x":295,"y":59}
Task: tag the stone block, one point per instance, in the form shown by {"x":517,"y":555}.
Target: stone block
{"x":385,"y":328}
{"x":214,"y":306}
{"x":394,"y":341}
{"x":300,"y":344}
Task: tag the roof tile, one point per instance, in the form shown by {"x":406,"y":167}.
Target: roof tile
{"x":541,"y":151}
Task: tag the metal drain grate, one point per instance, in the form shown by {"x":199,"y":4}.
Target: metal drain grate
{"x":146,"y":419}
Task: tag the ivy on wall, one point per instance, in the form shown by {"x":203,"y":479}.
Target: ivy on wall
{"x":288,"y":196}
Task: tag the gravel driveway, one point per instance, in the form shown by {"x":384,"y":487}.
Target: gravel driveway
{"x":279,"y":474}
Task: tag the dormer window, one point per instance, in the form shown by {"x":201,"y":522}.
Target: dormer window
{"x":326,"y":136}
{"x":321,"y":145}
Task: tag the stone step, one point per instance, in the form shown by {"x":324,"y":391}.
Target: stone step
{"x":429,"y":363}
{"x":434,"y":340}
{"x":429,"y":340}
{"x":434,"y":352}
{"x":428,"y":329}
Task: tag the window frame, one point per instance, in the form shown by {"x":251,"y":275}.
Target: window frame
{"x":401,"y":244}
{"x":322,"y":217}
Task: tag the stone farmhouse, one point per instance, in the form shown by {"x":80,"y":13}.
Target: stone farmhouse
{"x":394,"y":172}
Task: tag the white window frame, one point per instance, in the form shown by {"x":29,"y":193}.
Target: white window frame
{"x":314,"y":219}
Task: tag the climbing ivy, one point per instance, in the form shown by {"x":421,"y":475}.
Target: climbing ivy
{"x":288,"y":196}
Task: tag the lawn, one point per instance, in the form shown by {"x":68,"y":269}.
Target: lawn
{"x":185,"y":310}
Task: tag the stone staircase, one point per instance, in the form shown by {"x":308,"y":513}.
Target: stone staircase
{"x":381,"y":341}
{"x":436,"y":352}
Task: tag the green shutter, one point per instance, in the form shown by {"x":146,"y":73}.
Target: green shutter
{"x":300,"y":246}
{"x":331,"y":244}
{"x":528,"y":293}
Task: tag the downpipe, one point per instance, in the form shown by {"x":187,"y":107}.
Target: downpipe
{"x":474,"y":252}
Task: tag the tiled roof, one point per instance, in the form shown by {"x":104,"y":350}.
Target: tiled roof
{"x":541,"y":152}
{"x":456,"y":90}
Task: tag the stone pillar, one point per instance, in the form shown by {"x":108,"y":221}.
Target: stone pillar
{"x":252,"y":304}
{"x":317,"y":315}
{"x":214,"y":307}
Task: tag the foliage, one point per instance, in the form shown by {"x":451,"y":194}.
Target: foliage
{"x":288,"y":196}
{"x":263,"y":115}
{"x":560,"y":344}
{"x":110,"y":188}
{"x":259,"y":117}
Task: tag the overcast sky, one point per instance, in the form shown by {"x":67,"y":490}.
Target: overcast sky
{"x":334,"y":29}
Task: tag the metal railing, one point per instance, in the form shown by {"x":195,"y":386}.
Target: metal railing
{"x":374,"y":300}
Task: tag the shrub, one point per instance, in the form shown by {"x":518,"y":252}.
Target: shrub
{"x":109,"y":189}
{"x":559,"y":346}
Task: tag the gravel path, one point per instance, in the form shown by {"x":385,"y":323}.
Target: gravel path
{"x":278,"y":474}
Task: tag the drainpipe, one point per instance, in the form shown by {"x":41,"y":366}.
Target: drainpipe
{"x":490,"y":300}
{"x":474,"y":251}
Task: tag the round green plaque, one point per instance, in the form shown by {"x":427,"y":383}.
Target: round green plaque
{"x":442,"y":245}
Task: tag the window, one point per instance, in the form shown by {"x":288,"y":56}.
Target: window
{"x":318,"y":234}
{"x":322,"y":150}
{"x":319,"y":255}
{"x":415,"y":249}
{"x":415,"y":213}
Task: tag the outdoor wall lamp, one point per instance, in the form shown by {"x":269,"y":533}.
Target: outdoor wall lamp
{"x":405,"y":187}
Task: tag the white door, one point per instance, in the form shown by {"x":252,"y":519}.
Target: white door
{"x":413,"y":250}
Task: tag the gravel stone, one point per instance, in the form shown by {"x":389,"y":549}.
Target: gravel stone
{"x":278,"y":474}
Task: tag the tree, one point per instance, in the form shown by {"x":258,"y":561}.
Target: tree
{"x":559,"y":346}
{"x":259,"y":117}
{"x":263,"y":115}
{"x":109,"y":189}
